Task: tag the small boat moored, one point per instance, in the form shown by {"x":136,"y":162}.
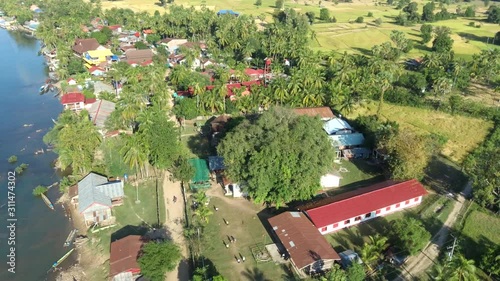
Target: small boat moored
{"x":47,"y":201}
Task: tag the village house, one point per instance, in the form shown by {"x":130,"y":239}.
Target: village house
{"x":100,"y":111}
{"x":337,"y":126}
{"x":71,"y":81}
{"x":300,"y":241}
{"x":137,"y":57}
{"x":96,"y":197}
{"x":96,"y":57}
{"x":84,"y":45}
{"x":172,"y":44}
{"x":97,"y":71}
{"x":351,"y":208}
{"x":75,"y":101}
{"x":123,"y":257}
{"x":323,"y":112}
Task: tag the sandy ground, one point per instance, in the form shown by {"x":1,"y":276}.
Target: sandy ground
{"x":175,"y":214}
{"x":418,"y":265}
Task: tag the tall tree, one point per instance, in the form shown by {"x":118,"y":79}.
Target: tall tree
{"x":280,"y":157}
{"x":409,"y":234}
{"x":158,"y":258}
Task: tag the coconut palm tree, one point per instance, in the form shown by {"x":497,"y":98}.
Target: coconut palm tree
{"x":461,"y":269}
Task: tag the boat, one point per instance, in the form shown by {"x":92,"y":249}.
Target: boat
{"x":59,"y":261}
{"x":40,"y":151}
{"x":27,"y":125}
{"x":70,"y":238}
{"x":47,"y":201}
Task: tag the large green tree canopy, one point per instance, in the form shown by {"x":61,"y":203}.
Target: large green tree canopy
{"x":158,"y":258}
{"x":279,"y":156}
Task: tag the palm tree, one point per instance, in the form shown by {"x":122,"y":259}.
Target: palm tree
{"x":461,"y":269}
{"x":372,"y":251}
{"x":134,"y":153}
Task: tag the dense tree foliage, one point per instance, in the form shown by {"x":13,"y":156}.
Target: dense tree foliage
{"x":158,"y":258}
{"x":426,"y":30}
{"x":372,"y":252}
{"x":409,"y":235}
{"x":76,"y":140}
{"x":493,"y":14}
{"x":279,"y":156}
{"x":483,"y":167}
{"x":490,"y":262}
{"x":442,"y":42}
{"x":186,"y":108}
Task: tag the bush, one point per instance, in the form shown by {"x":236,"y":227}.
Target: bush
{"x":472,"y":24}
{"x":279,"y":4}
{"x":258,"y":3}
{"x":378,"y":21}
{"x":39,"y":190}
{"x":12,"y":159}
{"x":370,"y":14}
{"x":324,"y":14}
{"x":360,"y":20}
{"x":333,"y":19}
{"x":470,"y":12}
{"x":21,"y":168}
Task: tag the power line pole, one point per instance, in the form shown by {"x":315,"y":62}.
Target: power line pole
{"x":452,"y":247}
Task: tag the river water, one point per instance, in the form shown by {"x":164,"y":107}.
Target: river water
{"x":40,"y":232}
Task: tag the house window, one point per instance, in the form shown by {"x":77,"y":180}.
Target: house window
{"x":388,"y":208}
{"x":368,"y":215}
{"x":358,"y":218}
{"x":407,"y":202}
{"x":323,"y":229}
{"x":378,"y":212}
{"x":415,"y":200}
{"x":397,"y":205}
{"x":347,"y":222}
{"x":335,"y":225}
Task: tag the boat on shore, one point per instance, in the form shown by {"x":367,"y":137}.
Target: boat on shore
{"x":47,"y":202}
{"x":70,"y":238}
{"x":59,"y":261}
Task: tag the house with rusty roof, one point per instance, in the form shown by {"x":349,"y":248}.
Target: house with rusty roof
{"x":351,"y":208}
{"x":100,"y":111}
{"x":84,"y":45}
{"x":124,"y":253}
{"x":96,"y":197}
{"x":300,"y":241}
{"x":133,"y":56}
{"x":323,"y":112}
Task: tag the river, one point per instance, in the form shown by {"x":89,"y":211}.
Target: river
{"x":40,"y":232}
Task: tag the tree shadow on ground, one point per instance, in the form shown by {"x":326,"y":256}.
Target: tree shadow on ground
{"x":415,"y":34}
{"x":442,"y":175}
{"x":474,"y":37}
{"x":203,"y":261}
{"x":421,"y":47}
{"x":200,"y":146}
{"x":129,"y":230}
{"x":289,"y":273}
{"x":356,"y":185}
{"x":363,"y":51}
{"x":254,"y":274}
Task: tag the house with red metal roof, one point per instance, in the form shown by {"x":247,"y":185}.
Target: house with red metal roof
{"x":75,"y":101}
{"x":351,"y":208}
{"x":300,"y":241}
{"x":123,"y":258}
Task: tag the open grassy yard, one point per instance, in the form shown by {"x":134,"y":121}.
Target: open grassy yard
{"x":480,"y":232}
{"x":246,"y":226}
{"x":463,"y":133}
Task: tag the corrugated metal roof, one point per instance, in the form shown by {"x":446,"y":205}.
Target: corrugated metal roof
{"x":100,"y":111}
{"x":90,"y":196}
{"x":324,"y":112}
{"x":112,"y":189}
{"x":362,"y":201}
{"x":301,"y":238}
{"x":336,"y":124}
{"x":347,"y":139}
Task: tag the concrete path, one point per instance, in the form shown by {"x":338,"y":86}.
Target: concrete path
{"x":418,"y":265}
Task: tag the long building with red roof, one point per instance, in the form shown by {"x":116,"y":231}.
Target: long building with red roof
{"x":350,"y":208}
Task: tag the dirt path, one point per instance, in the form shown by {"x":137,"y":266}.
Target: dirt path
{"x":242,"y":204}
{"x":418,"y":265}
{"x":175,"y":214}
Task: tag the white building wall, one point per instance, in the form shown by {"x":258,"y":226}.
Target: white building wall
{"x":381,"y":212}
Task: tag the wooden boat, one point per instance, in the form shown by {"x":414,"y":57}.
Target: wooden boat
{"x":40,"y":151}
{"x":47,"y":201}
{"x":58,"y":262}
{"x":70,"y":238}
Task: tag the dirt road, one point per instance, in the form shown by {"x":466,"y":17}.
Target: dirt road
{"x":418,"y":265}
{"x":174,"y":216}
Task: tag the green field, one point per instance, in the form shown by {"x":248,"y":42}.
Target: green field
{"x":463,"y":133}
{"x":480,"y":232}
{"x":345,"y":36}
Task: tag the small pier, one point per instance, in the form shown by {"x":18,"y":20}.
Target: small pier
{"x":70,"y":238}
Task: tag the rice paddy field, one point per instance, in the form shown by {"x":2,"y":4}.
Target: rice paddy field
{"x":345,"y":35}
{"x":463,"y":133}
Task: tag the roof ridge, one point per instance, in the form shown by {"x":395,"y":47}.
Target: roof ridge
{"x":363,"y":194}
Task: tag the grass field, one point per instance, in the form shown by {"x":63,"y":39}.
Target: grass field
{"x":343,"y":35}
{"x":463,"y":133}
{"x":247,"y":228}
{"x":480,"y":231}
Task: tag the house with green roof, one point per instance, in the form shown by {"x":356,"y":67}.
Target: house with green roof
{"x":201,"y":177}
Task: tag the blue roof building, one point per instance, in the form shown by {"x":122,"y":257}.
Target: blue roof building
{"x":337,"y":126}
{"x":216,"y":163}
{"x":345,"y":140}
{"x":228,"y":12}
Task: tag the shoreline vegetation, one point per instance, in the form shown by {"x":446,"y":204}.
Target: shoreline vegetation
{"x":149,"y":121}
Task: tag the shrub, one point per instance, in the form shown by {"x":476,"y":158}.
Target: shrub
{"x":360,"y":20}
{"x":470,"y":12}
{"x":370,"y":14}
{"x":472,"y":23}
{"x":258,"y":3}
{"x":333,"y":19}
{"x":39,"y":190}
{"x":20,"y":169}
{"x":12,"y":159}
{"x":324,"y":14}
{"x":378,"y":21}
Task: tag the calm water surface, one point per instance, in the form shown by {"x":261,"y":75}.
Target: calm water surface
{"x":40,"y":232}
